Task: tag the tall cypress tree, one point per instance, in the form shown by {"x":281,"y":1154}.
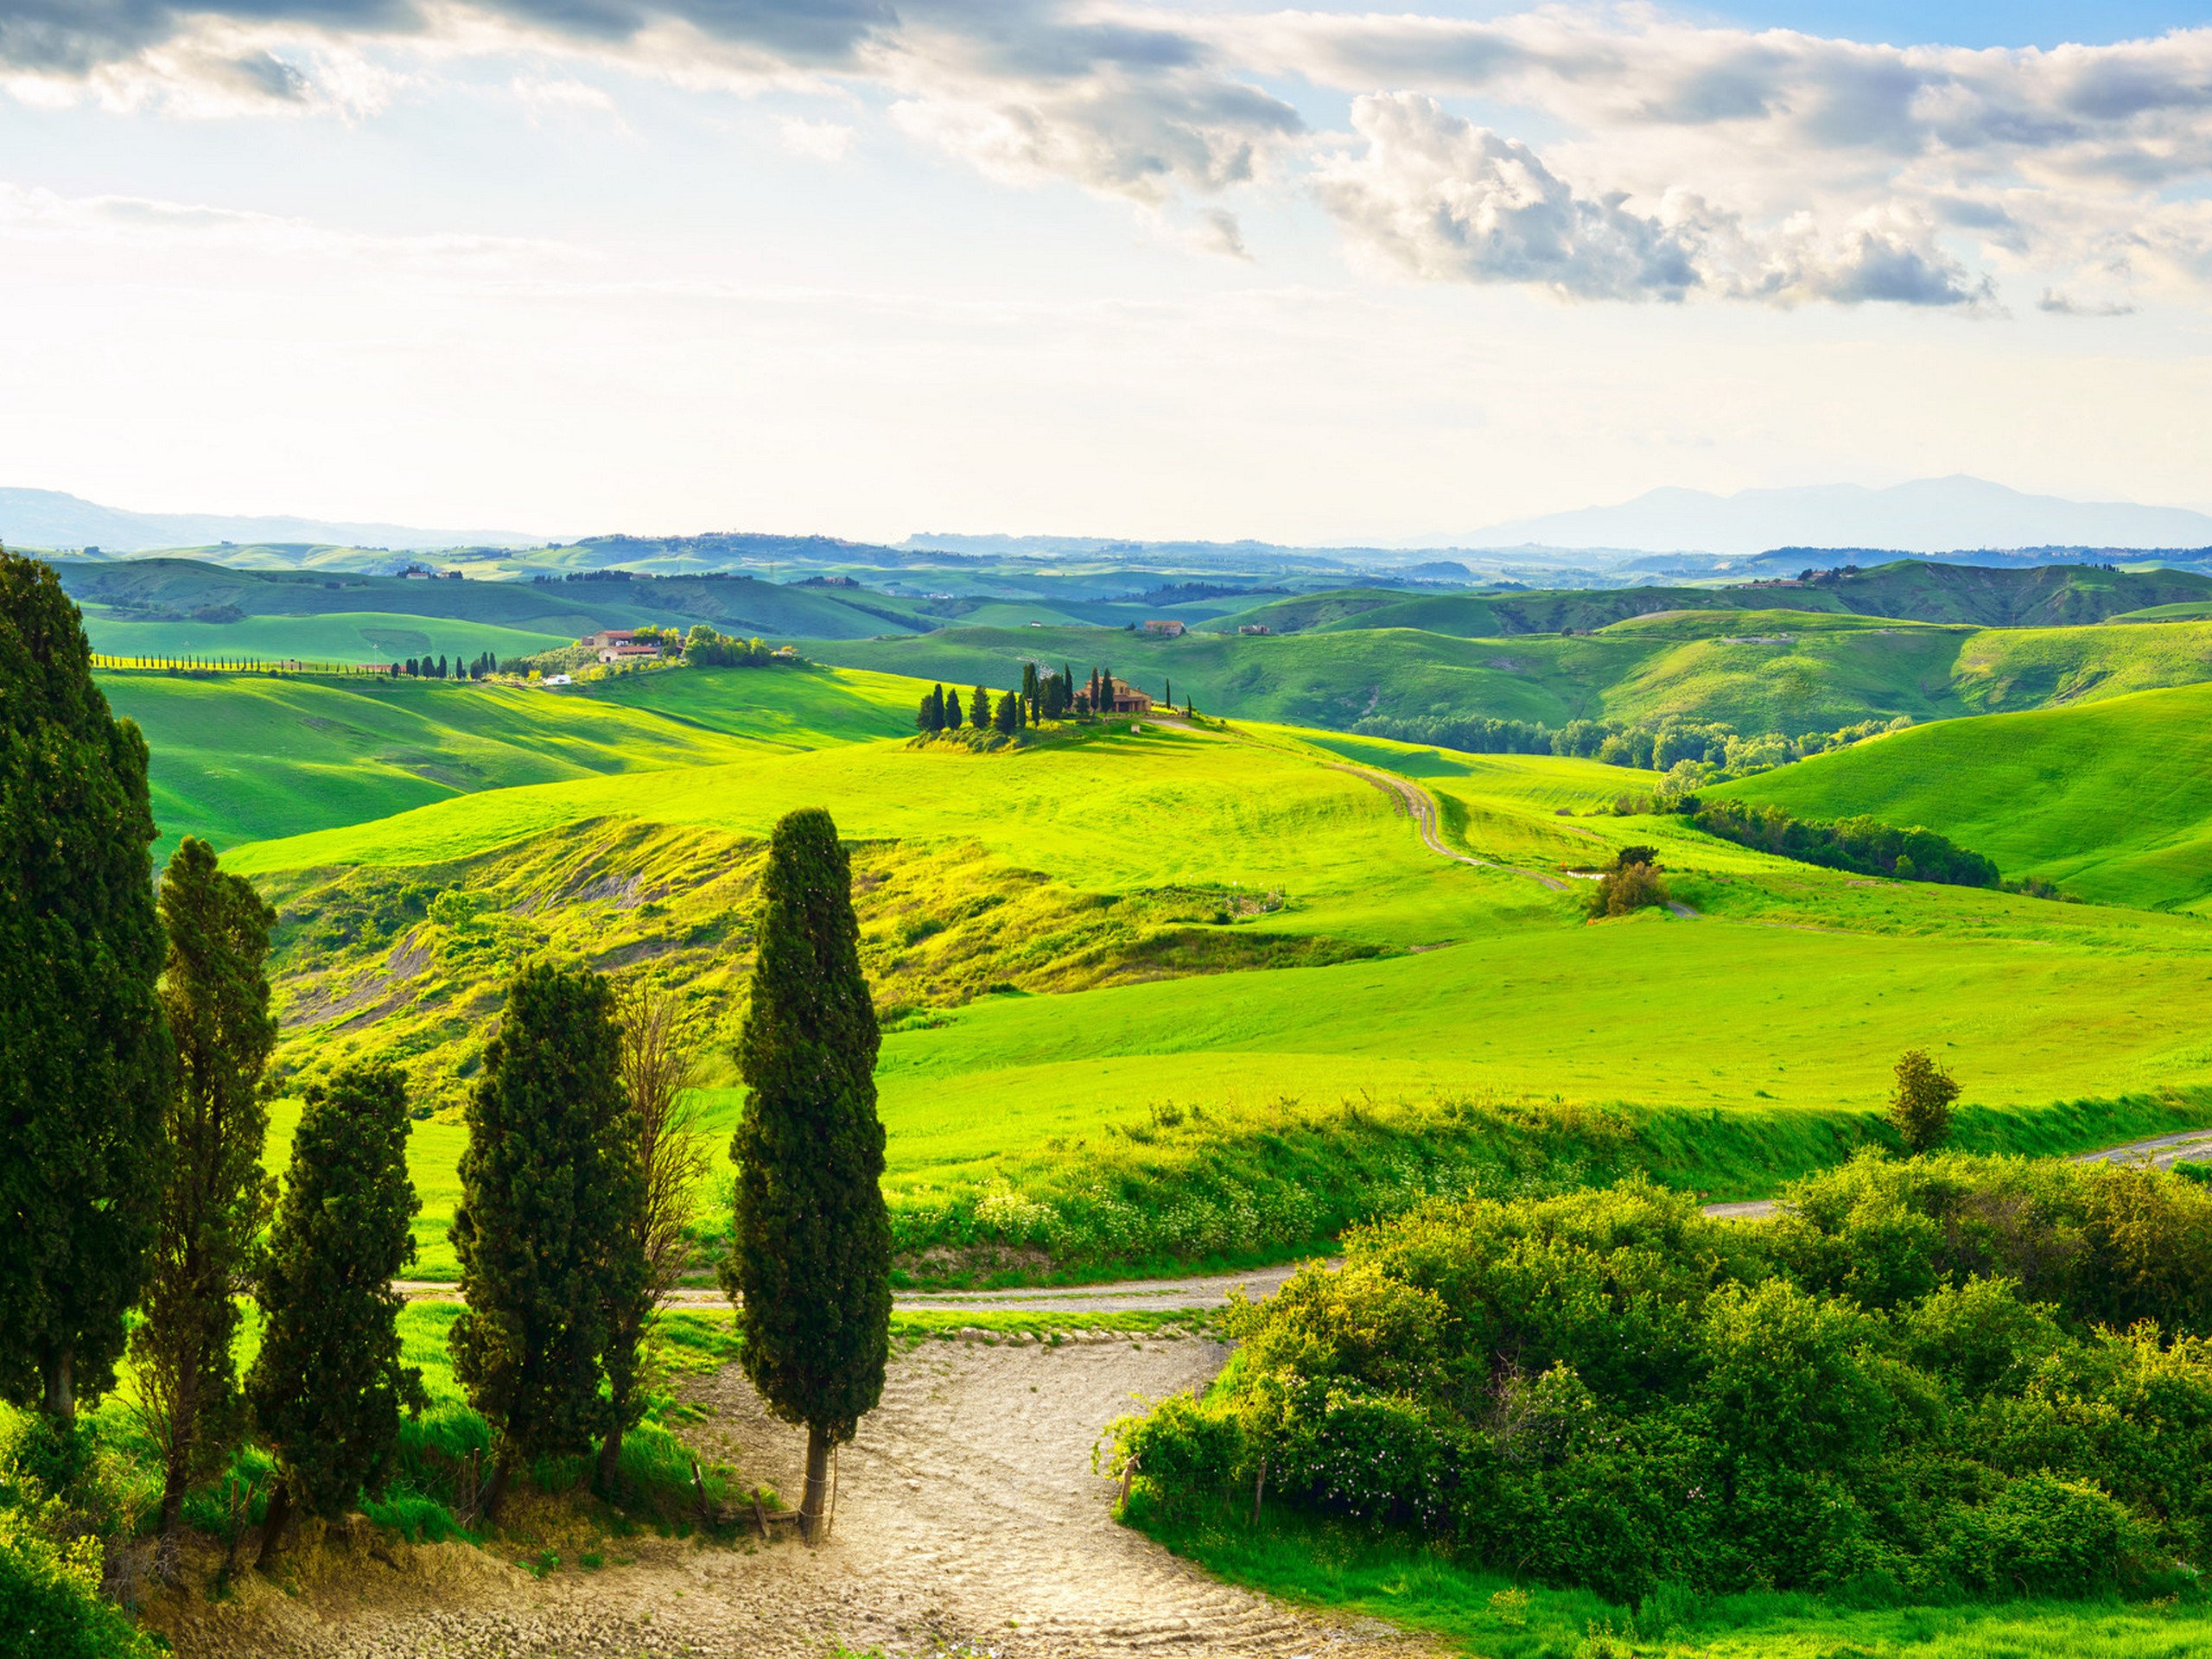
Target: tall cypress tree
{"x":925,"y":717}
{"x":811,"y":1265}
{"x":979,"y":709}
{"x":1007,"y":716}
{"x":84,"y":1057}
{"x":327,"y":1387}
{"x":214,"y":1197}
{"x":550,"y":1189}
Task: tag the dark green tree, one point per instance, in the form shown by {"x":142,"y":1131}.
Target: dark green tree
{"x":925,"y":717}
{"x":550,"y":1189}
{"x":1920,"y":1104}
{"x":1029,"y":682}
{"x":1168,"y":701}
{"x":214,"y":1197}
{"x":85,"y":1058}
{"x":811,"y":1265}
{"x":1007,"y":716}
{"x":979,"y":709}
{"x":328,"y":1388}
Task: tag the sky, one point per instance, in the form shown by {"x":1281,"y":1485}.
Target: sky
{"x":1219,"y":269}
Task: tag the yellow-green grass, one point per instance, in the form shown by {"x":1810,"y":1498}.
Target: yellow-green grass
{"x":811,"y":708}
{"x":1783,"y":1001}
{"x":334,"y":637}
{"x":1109,"y":811}
{"x":1349,"y":1571}
{"x":246,"y":756}
{"x":2111,"y":800}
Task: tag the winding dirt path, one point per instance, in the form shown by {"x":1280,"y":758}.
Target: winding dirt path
{"x":968,"y":1520}
{"x":2159,"y":1151}
{"x":1419,"y":804}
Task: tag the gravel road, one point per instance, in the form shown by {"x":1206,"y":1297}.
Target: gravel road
{"x":969,"y":1522}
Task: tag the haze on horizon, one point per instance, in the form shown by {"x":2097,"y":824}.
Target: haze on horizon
{"x":1216,"y":270}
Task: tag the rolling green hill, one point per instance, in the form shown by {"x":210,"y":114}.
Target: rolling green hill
{"x":330,"y":637}
{"x":2111,"y":800}
{"x":248,"y":757}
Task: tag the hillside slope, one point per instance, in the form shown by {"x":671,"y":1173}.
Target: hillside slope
{"x":2111,"y":800}
{"x":246,"y":757}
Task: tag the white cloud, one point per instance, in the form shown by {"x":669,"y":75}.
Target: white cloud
{"x":1442,"y":199}
{"x":820,"y":141}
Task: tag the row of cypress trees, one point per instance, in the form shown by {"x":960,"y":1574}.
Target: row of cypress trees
{"x":1041,"y":697}
{"x":135,"y":1034}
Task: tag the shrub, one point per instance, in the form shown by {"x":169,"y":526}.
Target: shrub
{"x":1920,"y":1105}
{"x":50,"y":1600}
{"x":1624,"y":891}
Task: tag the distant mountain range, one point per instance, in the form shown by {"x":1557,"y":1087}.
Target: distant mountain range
{"x":1930,"y":515}
{"x":51,"y":520}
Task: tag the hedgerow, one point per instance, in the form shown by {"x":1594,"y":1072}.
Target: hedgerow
{"x":1930,"y":1376}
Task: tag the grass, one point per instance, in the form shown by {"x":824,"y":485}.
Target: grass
{"x":246,"y":757}
{"x":335,"y":637}
{"x":1055,"y":990}
{"x":2111,"y":800}
{"x":1349,"y":1572}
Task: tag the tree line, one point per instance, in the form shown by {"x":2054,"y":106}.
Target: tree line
{"x":1707,"y":750}
{"x":135,"y":1034}
{"x":1040,"y":697}
{"x":1863,"y":845}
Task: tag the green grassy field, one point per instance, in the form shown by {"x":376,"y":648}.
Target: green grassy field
{"x":2111,"y":800}
{"x":337,"y":637}
{"x":246,"y":757}
{"x":1780,"y":1004}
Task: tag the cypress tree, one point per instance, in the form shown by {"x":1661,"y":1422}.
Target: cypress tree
{"x":979,"y":709}
{"x":84,"y":1057}
{"x":1169,"y":699}
{"x":327,"y":1387}
{"x":925,"y":717}
{"x":810,"y":1264}
{"x":214,"y":1197}
{"x":549,"y":1187}
{"x":1008,"y":718}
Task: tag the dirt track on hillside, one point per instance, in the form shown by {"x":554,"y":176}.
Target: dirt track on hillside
{"x":968,"y":1515}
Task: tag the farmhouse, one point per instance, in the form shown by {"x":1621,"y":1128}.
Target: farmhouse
{"x":1254,"y":628}
{"x":607,"y":637}
{"x":1125,"y":699}
{"x":1167,"y":628}
{"x":624,"y":652}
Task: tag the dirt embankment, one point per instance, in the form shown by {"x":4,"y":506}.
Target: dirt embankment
{"x":968,"y":1520}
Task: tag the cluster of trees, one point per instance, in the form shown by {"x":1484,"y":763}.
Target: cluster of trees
{"x":1924,"y":1377}
{"x":1863,"y":845}
{"x":1042,"y":697}
{"x":703,"y":647}
{"x":1634,"y":883}
{"x":136,"y":1031}
{"x":1660,"y":746}
{"x":434,"y":668}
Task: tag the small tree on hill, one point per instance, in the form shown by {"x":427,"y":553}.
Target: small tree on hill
{"x":85,"y":1061}
{"x":1627,"y":890}
{"x":328,"y":1388}
{"x":549,"y":1192}
{"x":659,"y":1069}
{"x":1920,"y":1103}
{"x":214,"y":1198}
{"x":926,"y":717}
{"x":810,"y":1264}
{"x":1008,"y":718}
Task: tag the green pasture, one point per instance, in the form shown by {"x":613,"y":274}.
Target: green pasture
{"x":2111,"y":800}
{"x":1349,"y":1572}
{"x":246,"y":757}
{"x":382,"y":637}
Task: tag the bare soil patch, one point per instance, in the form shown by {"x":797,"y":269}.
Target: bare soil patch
{"x":969,"y":1519}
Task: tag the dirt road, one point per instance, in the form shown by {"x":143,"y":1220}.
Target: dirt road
{"x":1421,"y":806}
{"x":968,"y":1515}
{"x":2159,"y":1151}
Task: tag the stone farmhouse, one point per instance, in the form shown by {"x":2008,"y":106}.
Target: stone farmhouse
{"x":1125,"y":698}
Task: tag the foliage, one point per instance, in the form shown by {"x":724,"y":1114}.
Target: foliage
{"x":1861,"y":844}
{"x":703,"y":647}
{"x":812,"y":1255}
{"x":1632,"y":887}
{"x":1950,"y":1375}
{"x":1920,"y":1105}
{"x":327,"y":1385}
{"x":85,"y":1066}
{"x":50,"y":1601}
{"x":215,"y":1199}
{"x":550,"y":1183}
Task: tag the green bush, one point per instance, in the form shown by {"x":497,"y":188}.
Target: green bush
{"x":1950,"y":1375}
{"x":50,"y":1602}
